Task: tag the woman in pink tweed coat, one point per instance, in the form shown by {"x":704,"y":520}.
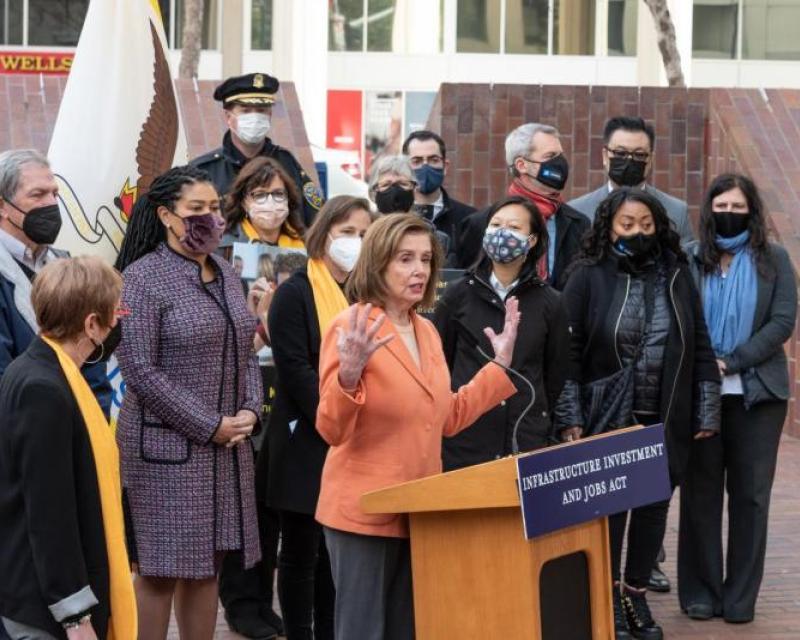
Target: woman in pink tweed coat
{"x":193,"y":396}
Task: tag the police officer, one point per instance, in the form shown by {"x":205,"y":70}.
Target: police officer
{"x":247,"y":104}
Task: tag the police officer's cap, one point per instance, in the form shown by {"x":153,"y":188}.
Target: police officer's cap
{"x":250,"y":89}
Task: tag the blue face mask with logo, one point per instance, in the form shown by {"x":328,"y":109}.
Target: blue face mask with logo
{"x":429,"y":178}
{"x":504,"y":245}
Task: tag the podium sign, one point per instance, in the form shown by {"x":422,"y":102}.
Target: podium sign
{"x":592,"y":478}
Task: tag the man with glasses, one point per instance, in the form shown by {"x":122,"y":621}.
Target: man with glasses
{"x":247,"y":106}
{"x":539,"y":172}
{"x":628,"y":145}
{"x":428,"y":156}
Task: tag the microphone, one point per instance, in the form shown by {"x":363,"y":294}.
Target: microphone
{"x":473,"y":341}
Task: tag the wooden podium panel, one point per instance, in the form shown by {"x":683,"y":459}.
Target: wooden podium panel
{"x":475,"y":571}
{"x":475,"y":574}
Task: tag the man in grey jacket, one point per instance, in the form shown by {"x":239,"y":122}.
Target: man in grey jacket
{"x":628,"y":145}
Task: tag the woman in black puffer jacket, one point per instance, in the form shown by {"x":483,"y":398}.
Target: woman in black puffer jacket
{"x":631,"y":299}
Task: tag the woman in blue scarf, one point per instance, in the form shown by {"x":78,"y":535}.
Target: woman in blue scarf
{"x":750,"y":302}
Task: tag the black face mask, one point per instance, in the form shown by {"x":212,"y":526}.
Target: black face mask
{"x":626,"y":172}
{"x":730,"y":225}
{"x":40,"y":224}
{"x":638,"y":246}
{"x":554,"y":172}
{"x":395,"y":199}
{"x":103,"y":350}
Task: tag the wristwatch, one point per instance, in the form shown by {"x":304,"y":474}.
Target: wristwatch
{"x":71,"y":624}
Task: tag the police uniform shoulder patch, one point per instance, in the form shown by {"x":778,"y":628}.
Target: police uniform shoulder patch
{"x":313,"y":195}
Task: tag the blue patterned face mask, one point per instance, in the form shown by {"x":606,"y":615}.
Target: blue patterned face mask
{"x":504,"y":245}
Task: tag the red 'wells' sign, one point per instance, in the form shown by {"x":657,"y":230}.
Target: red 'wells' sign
{"x":48,"y":62}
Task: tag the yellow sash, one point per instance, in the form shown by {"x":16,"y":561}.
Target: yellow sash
{"x":328,"y":296}
{"x":284,"y":239}
{"x":123,"y":623}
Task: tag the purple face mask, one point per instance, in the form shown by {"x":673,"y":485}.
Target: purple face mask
{"x":203,"y":233}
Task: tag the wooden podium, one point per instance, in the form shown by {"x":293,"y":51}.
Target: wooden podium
{"x":476,"y":576}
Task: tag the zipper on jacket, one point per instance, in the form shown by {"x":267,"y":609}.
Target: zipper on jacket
{"x":619,"y":318}
{"x":496,"y":300}
{"x":683,"y":345}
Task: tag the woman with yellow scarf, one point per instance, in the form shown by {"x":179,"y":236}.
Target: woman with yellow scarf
{"x":302,"y":308}
{"x":64,"y":565}
{"x":263,"y":206}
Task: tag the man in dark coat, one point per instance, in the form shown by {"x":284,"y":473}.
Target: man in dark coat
{"x":29,"y":223}
{"x":247,"y":105}
{"x":428,"y":156}
{"x":539,"y":170}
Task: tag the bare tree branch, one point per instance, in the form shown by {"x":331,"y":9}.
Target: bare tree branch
{"x":667,"y":42}
{"x":192,"y":34}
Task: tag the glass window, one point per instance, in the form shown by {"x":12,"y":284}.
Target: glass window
{"x":10,"y":21}
{"x":210,"y":24}
{"x":714,"y":28}
{"x":526,"y":26}
{"x":573,"y":27}
{"x":56,"y":23}
{"x":771,"y":30}
{"x":261,"y":25}
{"x":346,"y":25}
{"x":622,"y":20}
{"x":380,"y":22}
{"x":478,"y":26}
{"x":401,"y":26}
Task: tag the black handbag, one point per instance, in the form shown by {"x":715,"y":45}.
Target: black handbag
{"x":607,"y":403}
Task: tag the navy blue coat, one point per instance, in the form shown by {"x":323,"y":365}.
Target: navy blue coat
{"x":16,"y":334}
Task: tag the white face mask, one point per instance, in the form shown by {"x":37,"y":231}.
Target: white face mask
{"x":252,"y":128}
{"x":270,"y":215}
{"x":344,"y":251}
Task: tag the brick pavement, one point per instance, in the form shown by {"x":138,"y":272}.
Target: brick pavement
{"x":778,"y":613}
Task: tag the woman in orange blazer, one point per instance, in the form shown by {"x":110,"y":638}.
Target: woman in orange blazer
{"x":385,"y":403}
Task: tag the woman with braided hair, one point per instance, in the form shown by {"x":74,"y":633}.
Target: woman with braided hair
{"x":193,"y":397}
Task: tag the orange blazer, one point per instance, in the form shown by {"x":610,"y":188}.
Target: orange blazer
{"x":390,"y":429}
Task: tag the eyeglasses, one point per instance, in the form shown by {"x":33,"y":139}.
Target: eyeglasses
{"x":408,"y":185}
{"x":260,"y":197}
{"x":639,"y":156}
{"x":437,"y":162}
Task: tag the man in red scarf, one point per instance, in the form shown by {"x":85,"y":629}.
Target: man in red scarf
{"x":539,"y":172}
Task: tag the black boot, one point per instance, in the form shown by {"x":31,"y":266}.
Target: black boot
{"x":245,"y":620}
{"x":637,"y":612}
{"x":658,"y":581}
{"x":620,"y":622}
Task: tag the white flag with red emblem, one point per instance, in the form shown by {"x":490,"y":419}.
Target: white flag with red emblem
{"x":118,"y":125}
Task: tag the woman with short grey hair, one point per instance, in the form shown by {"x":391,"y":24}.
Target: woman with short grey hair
{"x":391,"y":186}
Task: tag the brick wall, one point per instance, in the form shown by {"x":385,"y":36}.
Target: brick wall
{"x":474,"y":120}
{"x":700,"y":133}
{"x":758,"y":133}
{"x":29,"y":106}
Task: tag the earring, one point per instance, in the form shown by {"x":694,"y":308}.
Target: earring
{"x":98,"y":358}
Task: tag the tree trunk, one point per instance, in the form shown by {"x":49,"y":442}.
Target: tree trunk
{"x":192,"y":35}
{"x":667,"y":42}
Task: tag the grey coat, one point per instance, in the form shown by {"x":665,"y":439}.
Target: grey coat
{"x":187,"y":360}
{"x":677,"y":210}
{"x":761,"y":361}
